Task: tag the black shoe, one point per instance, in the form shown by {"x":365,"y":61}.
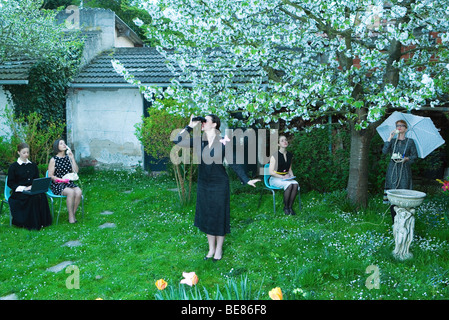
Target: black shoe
{"x":287,"y":211}
{"x":292,"y":212}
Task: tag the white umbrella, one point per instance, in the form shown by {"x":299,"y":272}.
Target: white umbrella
{"x":420,"y":129}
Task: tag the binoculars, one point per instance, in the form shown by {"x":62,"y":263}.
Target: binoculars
{"x":202,"y":119}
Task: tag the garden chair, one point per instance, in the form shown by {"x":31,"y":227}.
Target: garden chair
{"x":60,"y":197}
{"x":266,"y":177}
{"x":7,"y":194}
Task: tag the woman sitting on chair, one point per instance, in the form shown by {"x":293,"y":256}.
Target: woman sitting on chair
{"x":28,"y":211}
{"x":60,"y":165}
{"x":282,"y":176}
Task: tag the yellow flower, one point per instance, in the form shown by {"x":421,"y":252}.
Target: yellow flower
{"x":190,"y":278}
{"x":161,"y":284}
{"x":276,"y":294}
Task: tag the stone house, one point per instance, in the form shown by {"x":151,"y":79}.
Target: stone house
{"x":101,"y":107}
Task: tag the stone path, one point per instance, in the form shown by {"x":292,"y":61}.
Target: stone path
{"x":74,"y":243}
{"x":107,"y":225}
{"x":60,"y":266}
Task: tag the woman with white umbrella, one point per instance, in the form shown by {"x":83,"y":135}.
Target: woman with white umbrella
{"x":402,"y":151}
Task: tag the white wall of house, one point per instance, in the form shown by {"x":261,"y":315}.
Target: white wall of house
{"x":4,"y":129}
{"x":101,"y":126}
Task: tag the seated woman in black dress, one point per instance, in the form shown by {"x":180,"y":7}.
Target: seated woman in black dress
{"x":28,"y":211}
{"x":282,"y":176}
{"x":63,"y":162}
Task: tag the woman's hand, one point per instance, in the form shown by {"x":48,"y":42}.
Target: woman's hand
{"x":69,"y":152}
{"x":192,"y":124}
{"x":253,"y":182}
{"x":392,"y":134}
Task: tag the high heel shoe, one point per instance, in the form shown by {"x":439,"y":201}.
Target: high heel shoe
{"x":207,"y":258}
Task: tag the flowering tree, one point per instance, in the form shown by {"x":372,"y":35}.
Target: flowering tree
{"x":28,"y":31}
{"x":308,"y":59}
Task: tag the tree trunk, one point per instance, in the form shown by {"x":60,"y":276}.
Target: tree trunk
{"x":358,"y":166}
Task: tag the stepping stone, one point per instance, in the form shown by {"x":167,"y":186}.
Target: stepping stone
{"x":60,"y":266}
{"x":10,"y":297}
{"x":74,"y":243}
{"x":106,"y":213}
{"x":107,"y":225}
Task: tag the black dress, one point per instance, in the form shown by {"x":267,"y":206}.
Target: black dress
{"x":28,"y":211}
{"x":212,"y":214}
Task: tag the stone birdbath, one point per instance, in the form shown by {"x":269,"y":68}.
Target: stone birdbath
{"x":405,"y":201}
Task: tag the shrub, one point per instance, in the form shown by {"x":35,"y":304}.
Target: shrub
{"x":28,"y":129}
{"x":321,"y":158}
{"x":154,"y":132}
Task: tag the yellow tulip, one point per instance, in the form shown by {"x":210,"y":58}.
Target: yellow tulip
{"x":161,"y":284}
{"x":276,"y":294}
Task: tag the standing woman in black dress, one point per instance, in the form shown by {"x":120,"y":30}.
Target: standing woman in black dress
{"x":61,"y":163}
{"x":212,"y":215}
{"x":28,"y":211}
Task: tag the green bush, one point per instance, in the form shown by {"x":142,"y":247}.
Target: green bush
{"x":154,"y":132}
{"x":321,"y":158}
{"x":29,"y":129}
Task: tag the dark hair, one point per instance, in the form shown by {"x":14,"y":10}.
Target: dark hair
{"x":215,"y":119}
{"x":21,"y":146}
{"x":56,"y":147}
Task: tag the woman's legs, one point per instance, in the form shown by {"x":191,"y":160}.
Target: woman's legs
{"x":289,"y":197}
{"x":211,"y":241}
{"x":215,"y":246}
{"x":293,"y":194}
{"x":219,"y":248}
{"x":73,"y":200}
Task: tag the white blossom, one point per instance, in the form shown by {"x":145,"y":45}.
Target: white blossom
{"x":274,"y":60}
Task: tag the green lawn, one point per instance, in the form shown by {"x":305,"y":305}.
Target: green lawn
{"x":325,"y":250}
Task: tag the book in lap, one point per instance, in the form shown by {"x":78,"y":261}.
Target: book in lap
{"x":39,"y":185}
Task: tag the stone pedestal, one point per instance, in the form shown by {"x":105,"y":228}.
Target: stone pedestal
{"x":403,"y":227}
{"x":404,"y":201}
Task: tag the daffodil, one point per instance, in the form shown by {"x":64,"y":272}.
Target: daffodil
{"x":190,"y":278}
